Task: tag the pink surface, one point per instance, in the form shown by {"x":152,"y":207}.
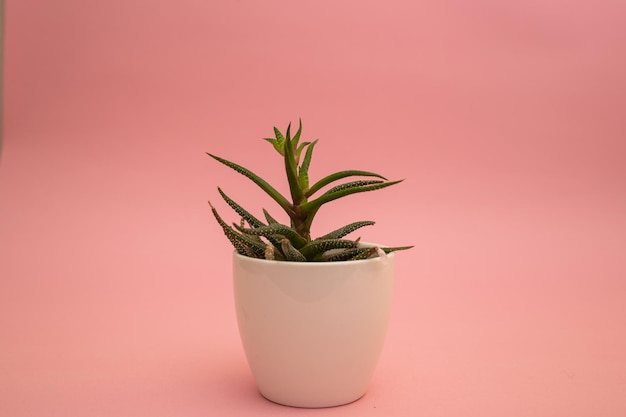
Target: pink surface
{"x":507,"y":119}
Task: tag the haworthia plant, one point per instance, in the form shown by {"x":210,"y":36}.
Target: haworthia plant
{"x":275,"y":241}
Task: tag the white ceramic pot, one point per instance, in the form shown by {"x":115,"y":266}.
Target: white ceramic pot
{"x":312,"y":331}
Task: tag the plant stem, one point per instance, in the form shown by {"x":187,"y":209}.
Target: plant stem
{"x":300,"y":223}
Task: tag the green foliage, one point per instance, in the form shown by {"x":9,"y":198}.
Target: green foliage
{"x":276,"y":241}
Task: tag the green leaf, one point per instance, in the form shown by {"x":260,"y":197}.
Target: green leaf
{"x":325,"y":198}
{"x":319,"y":246}
{"x":276,"y":144}
{"x":345,"y":230}
{"x":271,"y":191}
{"x":288,"y":133}
{"x":309,"y":219}
{"x":303,"y":174}
{"x":269,"y":218}
{"x":374,"y":250}
{"x":345,"y":255}
{"x":252,"y":221}
{"x":397,"y":248}
{"x":275,"y":230}
{"x":296,"y":137}
{"x":271,"y":239}
{"x":337,"y":176}
{"x":291,"y":253}
{"x":280,"y":139}
{"x":367,"y":253}
{"x":243,"y":245}
{"x":290,"y":167}
{"x":352,"y":184}
{"x":358,"y":253}
{"x":279,"y":135}
{"x":299,"y":151}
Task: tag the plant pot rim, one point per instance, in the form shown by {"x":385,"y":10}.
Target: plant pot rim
{"x":321,"y":264}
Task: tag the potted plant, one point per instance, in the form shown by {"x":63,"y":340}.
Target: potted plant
{"x":312,"y":313}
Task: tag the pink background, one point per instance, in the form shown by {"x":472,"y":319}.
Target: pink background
{"x":506,"y":118}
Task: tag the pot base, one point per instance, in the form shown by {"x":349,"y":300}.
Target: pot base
{"x":317,"y":405}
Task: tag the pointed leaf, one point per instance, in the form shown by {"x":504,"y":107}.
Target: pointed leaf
{"x":345,"y":230}
{"x":269,"y":218}
{"x":367,"y":253}
{"x":271,"y":191}
{"x":299,"y":151}
{"x":290,"y":167}
{"x":258,"y":223}
{"x":303,"y":174}
{"x":374,"y":250}
{"x":288,"y":133}
{"x":291,"y":253}
{"x":353,"y":184}
{"x":296,"y":137}
{"x":252,"y":221}
{"x":337,"y":176}
{"x":274,"y":230}
{"x":276,"y":145}
{"x":344,"y":255}
{"x":319,"y":246}
{"x":397,"y":248}
{"x":325,"y":198}
{"x":242,"y":244}
{"x":279,"y":136}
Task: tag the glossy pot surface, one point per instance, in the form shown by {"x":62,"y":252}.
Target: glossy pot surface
{"x":312,"y":332}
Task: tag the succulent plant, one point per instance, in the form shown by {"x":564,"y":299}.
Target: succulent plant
{"x":272,"y":240}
